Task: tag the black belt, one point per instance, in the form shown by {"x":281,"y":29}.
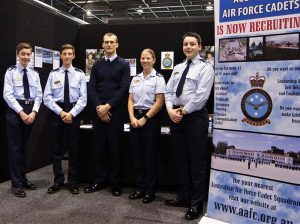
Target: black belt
{"x":68,"y":105}
{"x":26,"y":102}
{"x":176,"y":106}
{"x":140,"y":111}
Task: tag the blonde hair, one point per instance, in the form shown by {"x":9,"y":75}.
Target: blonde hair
{"x":149,"y":51}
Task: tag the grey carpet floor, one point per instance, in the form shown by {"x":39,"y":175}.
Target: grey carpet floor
{"x":95,"y":208}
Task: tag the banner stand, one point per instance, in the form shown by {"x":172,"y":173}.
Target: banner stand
{"x":207,"y":220}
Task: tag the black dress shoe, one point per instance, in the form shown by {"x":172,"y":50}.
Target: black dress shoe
{"x":136,"y":195}
{"x":54,"y":188}
{"x":73,"y":188}
{"x":29,"y":186}
{"x":19,"y":192}
{"x":193,"y":213}
{"x":116,"y":192}
{"x":93,"y":188}
{"x":177,"y":203}
{"x":149,"y":197}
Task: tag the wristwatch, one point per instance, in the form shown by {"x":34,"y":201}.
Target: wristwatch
{"x":146,"y":117}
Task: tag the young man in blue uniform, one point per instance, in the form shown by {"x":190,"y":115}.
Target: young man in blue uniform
{"x":23,"y":95}
{"x":65,"y":94}
{"x":186,"y":94}
{"x":108,"y":86}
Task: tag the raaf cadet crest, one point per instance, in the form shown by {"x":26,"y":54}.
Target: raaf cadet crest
{"x":256,"y":104}
{"x":167,"y":61}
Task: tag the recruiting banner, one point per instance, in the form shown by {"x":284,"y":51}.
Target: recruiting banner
{"x":255,"y":168}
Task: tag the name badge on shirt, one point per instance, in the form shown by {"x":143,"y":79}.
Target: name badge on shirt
{"x":17,"y":78}
{"x":176,"y":73}
{"x":57,"y":82}
{"x":136,"y":82}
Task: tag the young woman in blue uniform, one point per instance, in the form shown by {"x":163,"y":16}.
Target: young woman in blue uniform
{"x":146,"y":98}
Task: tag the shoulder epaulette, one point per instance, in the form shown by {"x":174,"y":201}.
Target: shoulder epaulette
{"x":158,"y":74}
{"x":34,"y":69}
{"x":78,"y":70}
{"x":12,"y":67}
{"x":55,"y":70}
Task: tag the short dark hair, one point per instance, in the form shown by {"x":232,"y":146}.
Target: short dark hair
{"x":21,"y":46}
{"x":67,"y":46}
{"x":192,"y":34}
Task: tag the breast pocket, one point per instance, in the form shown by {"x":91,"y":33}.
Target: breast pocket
{"x":175,"y":83}
{"x":57,"y":88}
{"x":74,"y":90}
{"x":191,"y":83}
{"x":33,"y":88}
{"x":18,"y":88}
{"x":149,"y":90}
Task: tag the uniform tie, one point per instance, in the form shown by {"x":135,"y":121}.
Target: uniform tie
{"x":182,"y":79}
{"x":66,"y":89}
{"x":26,"y":85}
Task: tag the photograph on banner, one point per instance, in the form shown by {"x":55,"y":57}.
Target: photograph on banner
{"x":255,"y":48}
{"x":47,"y":56}
{"x":233,"y":49}
{"x":56,"y":59}
{"x":282,"y":47}
{"x":91,"y":56}
{"x":38,"y":57}
{"x":132,"y":64}
{"x":273,"y":157}
{"x":167,"y":60}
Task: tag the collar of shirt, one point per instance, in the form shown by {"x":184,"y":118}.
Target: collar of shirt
{"x":111,"y":58}
{"x":195,"y":60}
{"x":70,"y":69}
{"x":152,"y":74}
{"x":20,"y":68}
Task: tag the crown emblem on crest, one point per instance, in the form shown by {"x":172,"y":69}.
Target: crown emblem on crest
{"x":167,"y":55}
{"x":257,"y":81}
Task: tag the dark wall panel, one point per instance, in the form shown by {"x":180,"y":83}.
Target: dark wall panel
{"x":7,"y":46}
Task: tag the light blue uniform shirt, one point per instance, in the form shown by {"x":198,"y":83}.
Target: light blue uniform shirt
{"x":144,"y":90}
{"x":14,"y":90}
{"x":197,"y":86}
{"x":54,"y":90}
